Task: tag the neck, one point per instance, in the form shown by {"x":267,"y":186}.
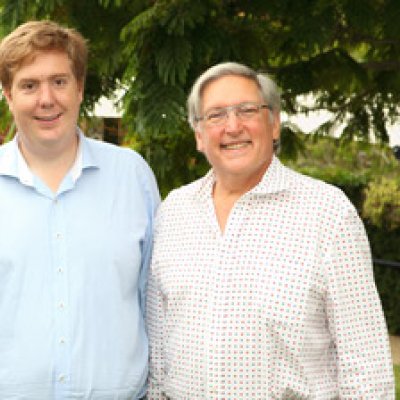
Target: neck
{"x":228,"y":189}
{"x":224,"y":198}
{"x":50,"y":164}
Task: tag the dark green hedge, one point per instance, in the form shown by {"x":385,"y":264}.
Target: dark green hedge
{"x":385,"y":245}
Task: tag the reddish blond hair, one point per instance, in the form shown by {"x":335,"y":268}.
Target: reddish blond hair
{"x":25,"y":42}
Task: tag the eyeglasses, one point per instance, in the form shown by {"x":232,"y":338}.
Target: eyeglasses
{"x":243,"y":111}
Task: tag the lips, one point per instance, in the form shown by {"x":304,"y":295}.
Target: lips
{"x":235,"y":145}
{"x":47,"y":118}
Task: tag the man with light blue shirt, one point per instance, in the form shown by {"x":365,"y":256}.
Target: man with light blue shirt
{"x":76,"y":218}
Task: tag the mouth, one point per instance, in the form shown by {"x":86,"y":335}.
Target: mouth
{"x":48,"y":118}
{"x":235,"y":145}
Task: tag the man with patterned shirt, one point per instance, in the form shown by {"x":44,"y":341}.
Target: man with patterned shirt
{"x":261,"y":285}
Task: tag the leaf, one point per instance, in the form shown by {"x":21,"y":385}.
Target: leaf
{"x":173,"y":60}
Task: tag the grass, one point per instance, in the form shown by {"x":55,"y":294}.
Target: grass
{"x":397,"y":377}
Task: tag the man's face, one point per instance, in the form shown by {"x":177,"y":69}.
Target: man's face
{"x":239,"y":149}
{"x":44,"y":99}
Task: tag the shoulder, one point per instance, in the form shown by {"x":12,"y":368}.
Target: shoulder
{"x":116,"y":159}
{"x":6,"y":147}
{"x":110,"y":151}
{"x":8,"y":159}
{"x":122,"y":164}
{"x":299,"y":183}
{"x":186,"y":193}
{"x":181,"y":202}
{"x":318,"y":196}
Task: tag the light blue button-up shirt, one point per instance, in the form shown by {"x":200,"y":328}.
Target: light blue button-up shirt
{"x":73,"y":267}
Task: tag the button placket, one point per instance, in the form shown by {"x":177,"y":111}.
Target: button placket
{"x":221,"y":302}
{"x":60,"y":292}
{"x":216,"y":312}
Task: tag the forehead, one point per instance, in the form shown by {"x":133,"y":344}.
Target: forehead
{"x":228,"y":90}
{"x":43,"y":63}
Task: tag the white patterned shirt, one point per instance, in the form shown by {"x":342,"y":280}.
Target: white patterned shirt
{"x":281,"y":305}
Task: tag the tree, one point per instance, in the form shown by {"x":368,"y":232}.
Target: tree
{"x":382,"y":204}
{"x":345,"y":53}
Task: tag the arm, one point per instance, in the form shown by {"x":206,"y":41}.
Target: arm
{"x":355,"y":314}
{"x":152,"y":202}
{"x":155,"y":322}
{"x":155,"y":328}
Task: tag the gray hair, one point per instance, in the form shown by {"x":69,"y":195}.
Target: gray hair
{"x":268,"y":89}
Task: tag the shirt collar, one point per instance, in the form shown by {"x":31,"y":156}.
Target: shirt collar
{"x":10,"y":159}
{"x":274,"y":180}
{"x":12,"y":163}
{"x":89,"y":159}
{"x":84,"y":157}
{"x":24,"y":173}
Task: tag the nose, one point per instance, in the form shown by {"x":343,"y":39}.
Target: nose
{"x":233,"y":123}
{"x":46,"y":96}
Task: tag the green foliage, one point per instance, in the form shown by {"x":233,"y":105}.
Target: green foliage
{"x":347,"y":164}
{"x":344,"y":53}
{"x":397,"y":379}
{"x":382,"y":203}
{"x":381,"y":212}
{"x":385,"y":245}
{"x":7,"y":127}
{"x":291,"y":143}
{"x":171,"y":171}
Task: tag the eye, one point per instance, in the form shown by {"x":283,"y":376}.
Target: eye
{"x":247,"y":110}
{"x":60,"y":81}
{"x":215,"y":115}
{"x":28,"y":86}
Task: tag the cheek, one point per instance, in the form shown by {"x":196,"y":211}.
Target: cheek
{"x":208,"y":142}
{"x":21,"y":103}
{"x":18,"y":108}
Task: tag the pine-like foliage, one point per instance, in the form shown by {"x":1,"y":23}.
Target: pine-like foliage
{"x":343,"y":52}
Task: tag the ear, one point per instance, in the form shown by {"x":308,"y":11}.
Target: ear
{"x":199,"y":140}
{"x":8,"y":97}
{"x":81,"y":89}
{"x":276,"y":128}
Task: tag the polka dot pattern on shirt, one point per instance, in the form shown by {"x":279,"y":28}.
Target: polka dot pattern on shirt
{"x":282,"y":305}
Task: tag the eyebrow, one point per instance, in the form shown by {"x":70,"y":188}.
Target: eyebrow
{"x":53,"y":76}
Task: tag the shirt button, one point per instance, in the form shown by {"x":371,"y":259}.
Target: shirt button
{"x":62,"y":378}
{"x":62,"y":340}
{"x":58,"y":235}
{"x":61,"y":305}
{"x":60,"y":270}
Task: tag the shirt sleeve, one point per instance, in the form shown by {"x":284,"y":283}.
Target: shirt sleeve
{"x":155,"y":329}
{"x":155,"y":322}
{"x":152,"y":198}
{"x":355,"y":314}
